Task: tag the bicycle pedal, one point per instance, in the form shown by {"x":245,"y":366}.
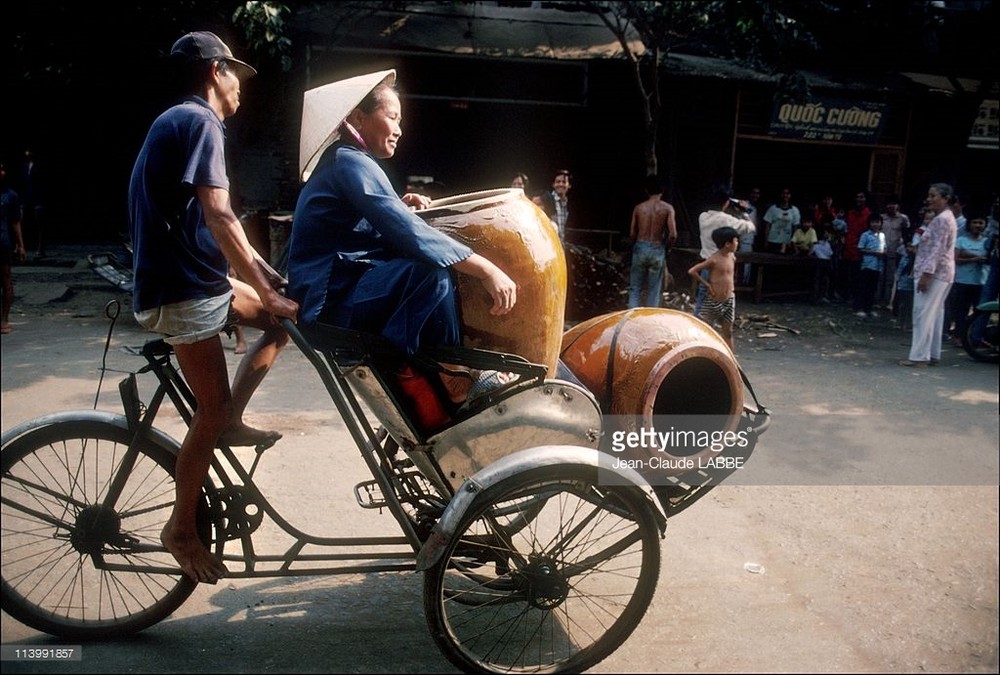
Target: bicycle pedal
{"x":369,"y":495}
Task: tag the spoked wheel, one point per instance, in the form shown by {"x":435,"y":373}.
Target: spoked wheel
{"x":986,"y":346}
{"x":548,"y":572}
{"x":75,"y":564}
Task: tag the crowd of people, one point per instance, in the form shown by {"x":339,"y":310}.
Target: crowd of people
{"x":876,"y":258}
{"x":872,"y":257}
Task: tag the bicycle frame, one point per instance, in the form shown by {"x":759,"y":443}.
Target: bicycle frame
{"x":413,"y":497}
{"x":236,"y":483}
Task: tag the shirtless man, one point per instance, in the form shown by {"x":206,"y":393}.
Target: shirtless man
{"x":720,"y":301}
{"x":652,"y":223}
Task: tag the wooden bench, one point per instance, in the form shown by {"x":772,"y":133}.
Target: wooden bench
{"x":762,"y":262}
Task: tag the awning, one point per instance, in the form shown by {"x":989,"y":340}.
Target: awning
{"x":466,"y":29}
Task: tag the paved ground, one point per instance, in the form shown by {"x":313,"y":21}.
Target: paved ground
{"x":871,"y":505}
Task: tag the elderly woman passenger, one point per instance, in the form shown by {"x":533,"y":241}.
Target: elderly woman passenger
{"x":359,"y":257}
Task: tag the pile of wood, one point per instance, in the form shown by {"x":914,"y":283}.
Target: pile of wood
{"x":598,"y":283}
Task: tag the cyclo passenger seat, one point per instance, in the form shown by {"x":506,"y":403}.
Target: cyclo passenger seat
{"x":408,"y":387}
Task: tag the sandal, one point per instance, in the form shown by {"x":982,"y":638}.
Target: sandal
{"x":486,"y":383}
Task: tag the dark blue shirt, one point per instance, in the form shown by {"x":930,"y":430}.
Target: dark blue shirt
{"x":10,"y":213}
{"x":175,"y":256}
{"x":348,"y":219}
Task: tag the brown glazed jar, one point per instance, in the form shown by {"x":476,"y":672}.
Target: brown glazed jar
{"x":647,"y":362}
{"x":508,"y":229}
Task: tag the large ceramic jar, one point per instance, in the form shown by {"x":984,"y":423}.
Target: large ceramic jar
{"x":507,"y":228}
{"x":646,"y":362}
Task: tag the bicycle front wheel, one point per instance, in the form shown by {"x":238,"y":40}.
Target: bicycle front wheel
{"x":548,"y":572}
{"x":74,"y":564}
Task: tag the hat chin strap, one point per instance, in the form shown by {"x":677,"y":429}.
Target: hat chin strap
{"x":355,"y":136}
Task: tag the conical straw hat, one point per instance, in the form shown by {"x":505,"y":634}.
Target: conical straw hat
{"x":324,"y":108}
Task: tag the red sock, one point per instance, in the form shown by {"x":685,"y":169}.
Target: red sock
{"x":429,"y":410}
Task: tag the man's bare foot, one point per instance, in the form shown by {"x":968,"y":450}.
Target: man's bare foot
{"x":240,"y":435}
{"x":241,"y":348}
{"x":195,"y":560}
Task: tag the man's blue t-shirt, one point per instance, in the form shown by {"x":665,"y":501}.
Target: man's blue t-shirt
{"x":175,"y":256}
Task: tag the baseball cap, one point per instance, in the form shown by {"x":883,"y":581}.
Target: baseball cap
{"x":205,"y":46}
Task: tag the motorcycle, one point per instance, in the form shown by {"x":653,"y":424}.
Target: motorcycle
{"x":982,"y":337}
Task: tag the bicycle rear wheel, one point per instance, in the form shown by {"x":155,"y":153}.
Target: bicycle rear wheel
{"x":548,"y":572}
{"x":73,"y":566}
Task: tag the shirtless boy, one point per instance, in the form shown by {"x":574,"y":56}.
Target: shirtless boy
{"x":653,"y":231}
{"x":720,"y":302}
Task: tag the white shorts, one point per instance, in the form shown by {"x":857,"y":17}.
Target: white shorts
{"x":189,"y":321}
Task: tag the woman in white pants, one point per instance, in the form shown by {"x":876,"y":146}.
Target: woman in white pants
{"x":934,"y":271}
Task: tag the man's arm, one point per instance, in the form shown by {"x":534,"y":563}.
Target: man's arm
{"x":695,"y":271}
{"x":633,"y":230}
{"x":671,"y":226}
{"x":229,"y":234}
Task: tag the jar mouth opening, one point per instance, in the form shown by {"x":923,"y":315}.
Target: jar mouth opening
{"x":469,"y":201}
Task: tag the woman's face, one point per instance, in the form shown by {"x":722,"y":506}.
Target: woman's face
{"x":381,"y":129}
{"x":936,"y":201}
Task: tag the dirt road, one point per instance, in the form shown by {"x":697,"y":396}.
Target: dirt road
{"x":869,"y":511}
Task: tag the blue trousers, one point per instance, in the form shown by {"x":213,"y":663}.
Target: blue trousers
{"x":409,"y":303}
{"x":647,"y":271}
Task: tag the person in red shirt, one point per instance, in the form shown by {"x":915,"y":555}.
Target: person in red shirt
{"x":857,"y":222}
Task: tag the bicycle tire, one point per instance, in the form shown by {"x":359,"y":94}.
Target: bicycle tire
{"x":558,"y":591}
{"x":57,"y":539}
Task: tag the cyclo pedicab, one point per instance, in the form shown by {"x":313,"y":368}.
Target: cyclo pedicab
{"x":540,"y":546}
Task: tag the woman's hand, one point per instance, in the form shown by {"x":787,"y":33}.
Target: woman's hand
{"x":501,"y":287}
{"x":415,"y":201}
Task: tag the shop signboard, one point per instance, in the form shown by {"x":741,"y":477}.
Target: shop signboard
{"x":986,"y":127}
{"x":827,"y":119}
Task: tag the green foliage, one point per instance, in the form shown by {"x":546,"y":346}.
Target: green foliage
{"x":263,"y":25}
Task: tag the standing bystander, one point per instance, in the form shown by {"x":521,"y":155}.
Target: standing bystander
{"x":934,"y":272}
{"x":653,"y":231}
{"x":857,"y":224}
{"x":711,"y":220}
{"x":32,"y":194}
{"x":904,"y":284}
{"x":11,"y":244}
{"x":872,"y":249}
{"x":895,"y":225}
{"x":780,"y":220}
{"x":719,"y":282}
{"x":555,"y":202}
{"x":971,"y":270}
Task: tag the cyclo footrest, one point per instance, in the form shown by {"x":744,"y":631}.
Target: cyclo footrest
{"x":369,"y":495}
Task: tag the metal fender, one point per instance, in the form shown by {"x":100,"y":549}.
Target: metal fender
{"x":90,"y":416}
{"x":511,"y":465}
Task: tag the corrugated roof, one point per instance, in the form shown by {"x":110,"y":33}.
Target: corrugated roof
{"x":467,"y":29}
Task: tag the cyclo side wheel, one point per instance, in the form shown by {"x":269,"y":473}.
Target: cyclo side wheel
{"x":74,"y":565}
{"x":548,"y":572}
